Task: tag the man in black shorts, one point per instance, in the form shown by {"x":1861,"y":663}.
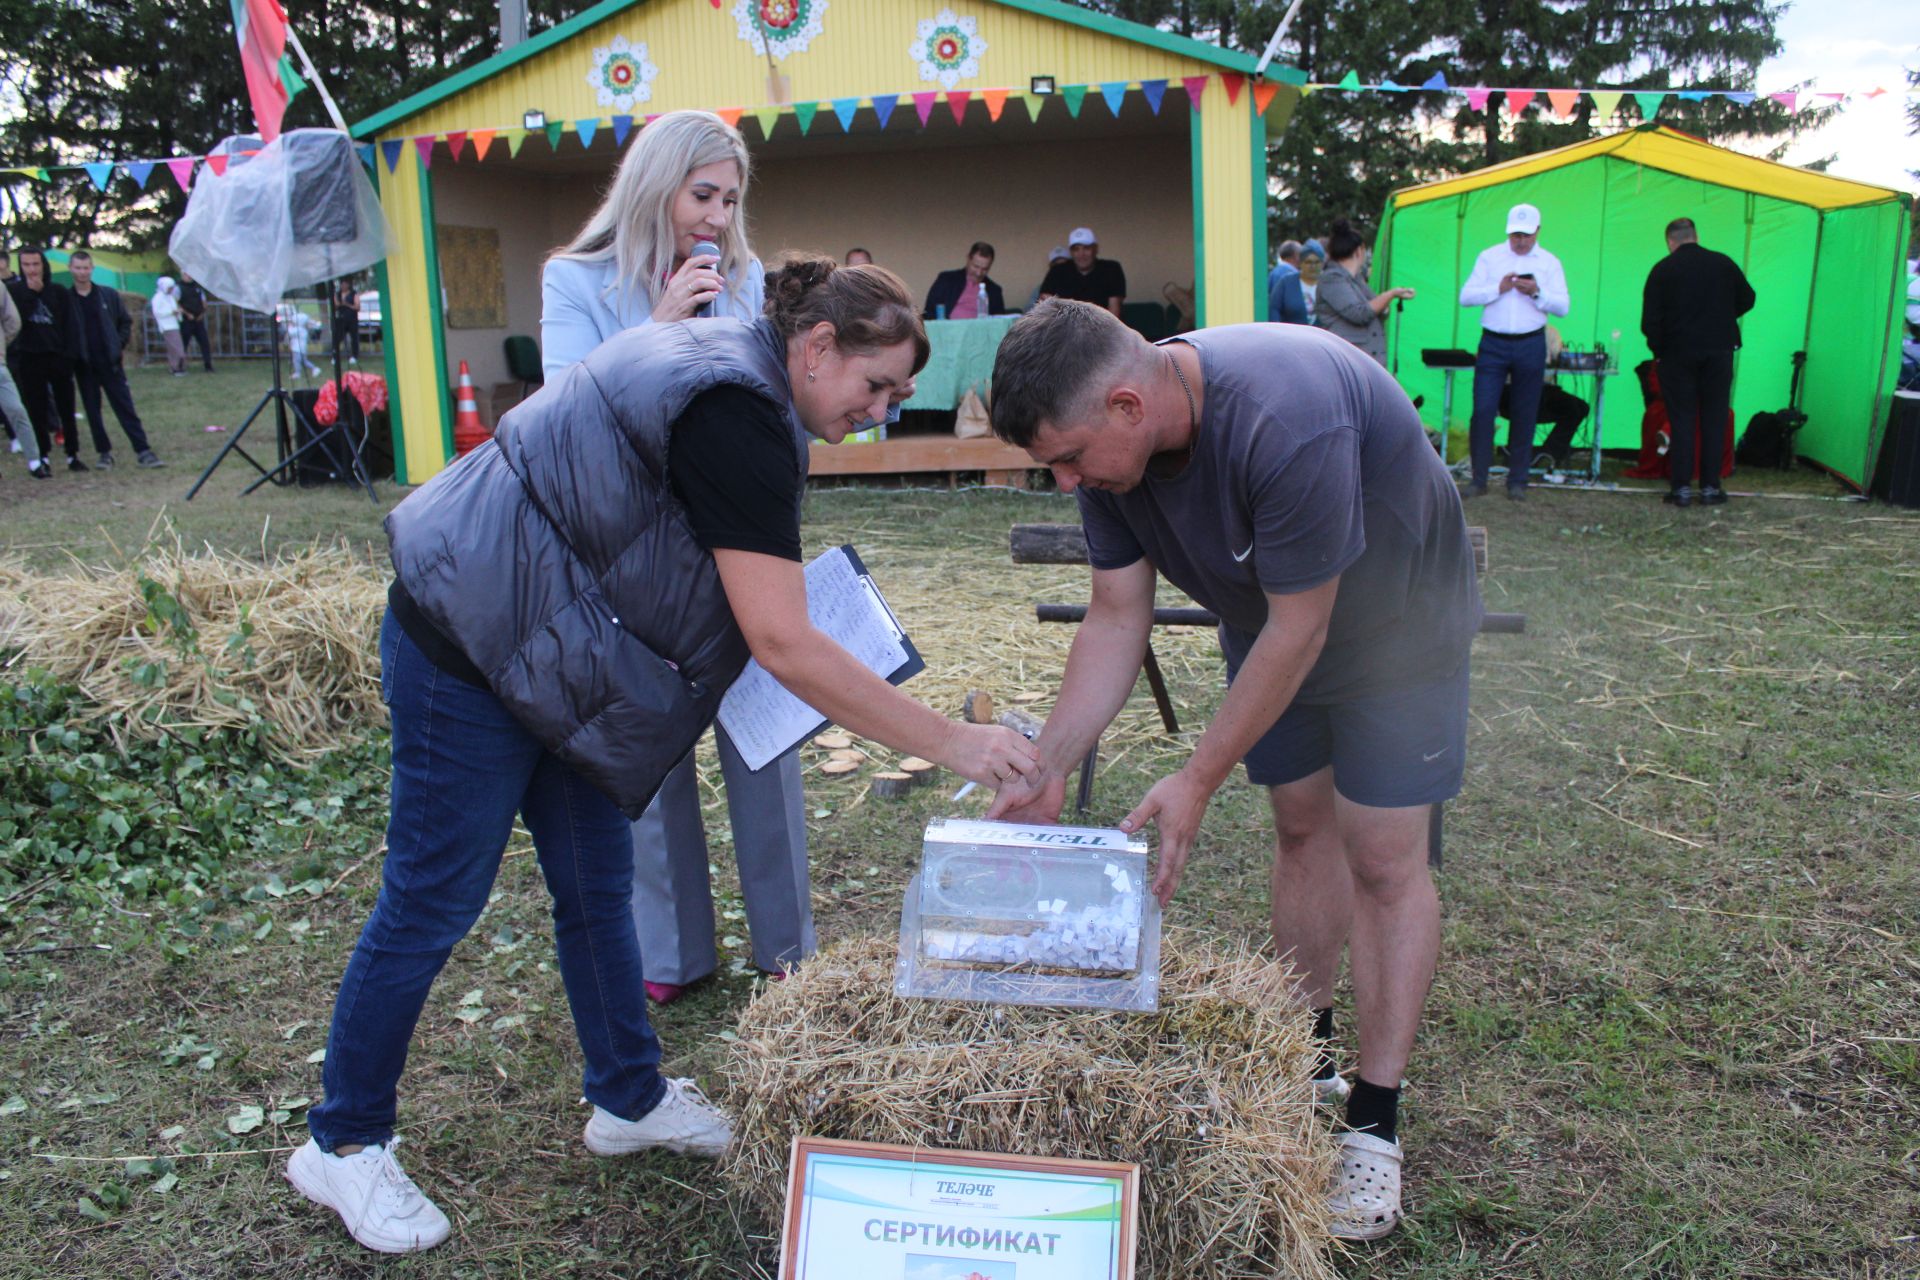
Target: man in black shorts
{"x":1281,"y":478}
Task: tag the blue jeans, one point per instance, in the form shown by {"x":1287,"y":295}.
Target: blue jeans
{"x":1524,"y":359}
{"x":462,"y":768}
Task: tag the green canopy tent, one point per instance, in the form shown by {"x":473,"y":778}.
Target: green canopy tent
{"x":1824,"y":254}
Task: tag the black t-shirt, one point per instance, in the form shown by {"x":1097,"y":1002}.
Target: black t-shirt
{"x":1105,"y":281}
{"x":731,"y":462}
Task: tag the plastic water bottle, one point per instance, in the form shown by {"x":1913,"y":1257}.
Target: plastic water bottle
{"x":940,"y":311}
{"x":980,"y":306}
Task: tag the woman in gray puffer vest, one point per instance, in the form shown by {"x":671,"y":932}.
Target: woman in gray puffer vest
{"x":570,"y":602}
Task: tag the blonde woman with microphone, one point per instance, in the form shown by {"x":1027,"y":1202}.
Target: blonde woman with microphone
{"x":669,"y":243}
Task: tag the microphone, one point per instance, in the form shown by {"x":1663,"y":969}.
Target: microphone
{"x":709,"y":248}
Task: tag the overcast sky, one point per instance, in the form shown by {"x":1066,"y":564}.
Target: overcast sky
{"x":1854,"y":46}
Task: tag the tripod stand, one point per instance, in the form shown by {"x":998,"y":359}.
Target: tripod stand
{"x":317,"y":437}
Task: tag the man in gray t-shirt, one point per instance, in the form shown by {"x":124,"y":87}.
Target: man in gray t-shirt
{"x":1281,"y":478}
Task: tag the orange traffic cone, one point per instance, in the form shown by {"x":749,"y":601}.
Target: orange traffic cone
{"x":468,"y":433}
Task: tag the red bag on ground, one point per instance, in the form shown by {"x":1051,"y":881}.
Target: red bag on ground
{"x":1656,"y":433}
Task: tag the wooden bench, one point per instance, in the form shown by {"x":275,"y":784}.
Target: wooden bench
{"x":1067,"y":544}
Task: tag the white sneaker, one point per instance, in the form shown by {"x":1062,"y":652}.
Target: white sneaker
{"x":684,"y":1123}
{"x":379,"y":1204}
{"x":1331,"y":1090}
{"x":14,"y":445}
{"x":1365,"y":1203}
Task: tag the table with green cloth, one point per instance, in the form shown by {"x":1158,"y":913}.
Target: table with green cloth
{"x":961,"y":361}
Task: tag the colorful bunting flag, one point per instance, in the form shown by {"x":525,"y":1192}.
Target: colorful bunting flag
{"x":1436,"y":81}
{"x":586,"y":129}
{"x":218,"y":163}
{"x":883,"y":105}
{"x":1263,"y":93}
{"x":1233,"y":80}
{"x":1692,"y":95}
{"x":996,"y":100}
{"x":1196,"y":86}
{"x":1788,"y":100}
{"x":622,"y":126}
{"x":101,"y":171}
{"x":846,"y":109}
{"x":1564,"y":102}
{"x":1744,"y":99}
{"x":367,"y":153}
{"x":141,"y":170}
{"x":1649,"y":104}
{"x":1351,"y":80}
{"x":1606,"y":102}
{"x":1075,"y":96}
{"x":514,"y":138}
{"x":553,"y":134}
{"x":1477,"y":98}
{"x":391,"y":150}
{"x":731,"y":115}
{"x":1034,"y":103}
{"x":923,"y":106}
{"x":957,"y":101}
{"x":1388,"y":86}
{"x":1115,"y":92}
{"x":1155,"y":91}
{"x":768,"y":117}
{"x":456,"y":142}
{"x":423,"y":145}
{"x":482,"y":139}
{"x":804,"y":112}
{"x":1517,"y":100}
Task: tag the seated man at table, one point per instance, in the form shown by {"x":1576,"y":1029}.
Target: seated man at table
{"x":958,"y":290}
{"x":1559,"y":407}
{"x":1087,"y":277}
{"x":857,"y":258}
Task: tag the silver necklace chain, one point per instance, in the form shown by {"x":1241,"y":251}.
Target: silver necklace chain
{"x":1193,"y":413}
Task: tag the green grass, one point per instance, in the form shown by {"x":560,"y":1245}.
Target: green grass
{"x":1673,"y":1032}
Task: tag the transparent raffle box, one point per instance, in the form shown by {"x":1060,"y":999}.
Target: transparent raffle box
{"x":1021,"y":913}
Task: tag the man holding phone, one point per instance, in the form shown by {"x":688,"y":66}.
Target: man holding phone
{"x":1518,"y":284}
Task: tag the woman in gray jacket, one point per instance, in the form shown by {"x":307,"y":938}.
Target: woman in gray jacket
{"x":1346,"y":306}
{"x":570,"y":602}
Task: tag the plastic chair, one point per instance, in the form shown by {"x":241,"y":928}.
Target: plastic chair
{"x":1148,"y":319}
{"x":523,"y":361}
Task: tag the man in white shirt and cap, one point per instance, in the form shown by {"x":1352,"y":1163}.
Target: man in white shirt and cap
{"x":1518,"y":284}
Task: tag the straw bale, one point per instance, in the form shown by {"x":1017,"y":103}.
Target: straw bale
{"x":310,"y":665}
{"x":1210,"y":1096}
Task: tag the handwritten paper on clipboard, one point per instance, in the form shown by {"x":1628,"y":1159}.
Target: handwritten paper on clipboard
{"x":762,"y":718}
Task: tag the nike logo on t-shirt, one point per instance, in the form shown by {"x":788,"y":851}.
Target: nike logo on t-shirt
{"x":1239,"y":557}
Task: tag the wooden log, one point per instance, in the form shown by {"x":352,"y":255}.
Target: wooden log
{"x":1047,"y":544}
{"x":1477,"y":539}
{"x":1161,"y":617}
{"x":833,"y":741}
{"x":919,"y":770}
{"x":1503,"y":624}
{"x":977,"y":707}
{"x":893,"y":785}
{"x":835,"y":768}
{"x":1020,"y":722}
{"x":848,"y":753}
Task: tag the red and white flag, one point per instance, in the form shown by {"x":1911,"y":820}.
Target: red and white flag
{"x":261,"y":27}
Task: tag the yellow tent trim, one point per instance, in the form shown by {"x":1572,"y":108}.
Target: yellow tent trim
{"x":1674,"y":152}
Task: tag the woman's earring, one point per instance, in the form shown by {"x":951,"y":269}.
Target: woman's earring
{"x":809,"y":375}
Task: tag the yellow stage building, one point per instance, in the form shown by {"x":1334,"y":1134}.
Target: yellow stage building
{"x":911,"y":128}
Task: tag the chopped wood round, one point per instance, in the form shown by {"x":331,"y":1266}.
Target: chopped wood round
{"x":892,"y":785}
{"x":835,"y":768}
{"x":833,"y":741}
{"x":977,"y":708}
{"x":917,"y":769}
{"x":848,"y":753}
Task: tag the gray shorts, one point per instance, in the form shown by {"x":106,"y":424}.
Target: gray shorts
{"x":1394,"y":749}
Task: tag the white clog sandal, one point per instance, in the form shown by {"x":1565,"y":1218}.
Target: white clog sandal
{"x":1365,"y":1205}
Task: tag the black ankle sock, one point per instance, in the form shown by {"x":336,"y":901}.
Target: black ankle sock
{"x":1323,"y":1032}
{"x":1374,"y":1109}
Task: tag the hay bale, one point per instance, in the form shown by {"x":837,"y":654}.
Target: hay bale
{"x":1210,"y":1096}
{"x":294,"y":639}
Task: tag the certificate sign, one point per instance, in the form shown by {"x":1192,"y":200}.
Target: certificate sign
{"x":885,"y":1212}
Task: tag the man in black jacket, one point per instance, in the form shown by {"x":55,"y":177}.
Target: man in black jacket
{"x":1691,"y":313}
{"x":955,"y":294}
{"x":193,"y":321}
{"x":105,"y":327}
{"x":41,"y":358}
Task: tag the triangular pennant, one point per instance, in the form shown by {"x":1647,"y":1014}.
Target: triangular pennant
{"x":1517,"y":100}
{"x":1834,"y":97}
{"x":1075,"y":96}
{"x":1692,"y":95}
{"x":1605,"y":102}
{"x":101,"y":171}
{"x":1564,"y":102}
{"x":731,"y":115}
{"x":1155,"y":91}
{"x":996,"y":100}
{"x":957,"y":103}
{"x":1306,"y":89}
{"x":38,"y":175}
{"x":391,"y":150}
{"x":424,"y":145}
{"x":367,"y":153}
{"x":1477,"y":98}
{"x":1390,"y":86}
{"x":290,"y":79}
{"x":622,"y":126}
{"x":182,"y":171}
{"x":553,"y":134}
{"x":1115,"y":92}
{"x":1789,"y":100}
{"x":514,"y":137}
{"x":768,"y":117}
{"x":218,"y":163}
{"x":141,"y":170}
{"x":923,"y":106}
{"x":804,"y":112}
{"x":1263,"y":95}
{"x":1744,"y":99}
{"x":456,"y":143}
{"x":1233,"y":80}
{"x":1436,"y":81}
{"x":1649,"y":104}
{"x":482,"y":139}
{"x":586,"y":129}
{"x":1876,"y":91}
{"x":883,"y":105}
{"x":1035,"y":103}
{"x":1196,"y":86}
{"x":1351,"y":80}
{"x":846,"y":109}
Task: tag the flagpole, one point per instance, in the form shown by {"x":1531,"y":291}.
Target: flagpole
{"x":1273,"y":45}
{"x":313,"y":76}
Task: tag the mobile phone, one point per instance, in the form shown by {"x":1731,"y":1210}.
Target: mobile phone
{"x":1524,"y":275}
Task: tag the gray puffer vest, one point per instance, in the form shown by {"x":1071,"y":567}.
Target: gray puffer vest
{"x":558,"y":559}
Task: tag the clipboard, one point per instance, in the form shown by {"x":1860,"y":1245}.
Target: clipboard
{"x":764,"y":720}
